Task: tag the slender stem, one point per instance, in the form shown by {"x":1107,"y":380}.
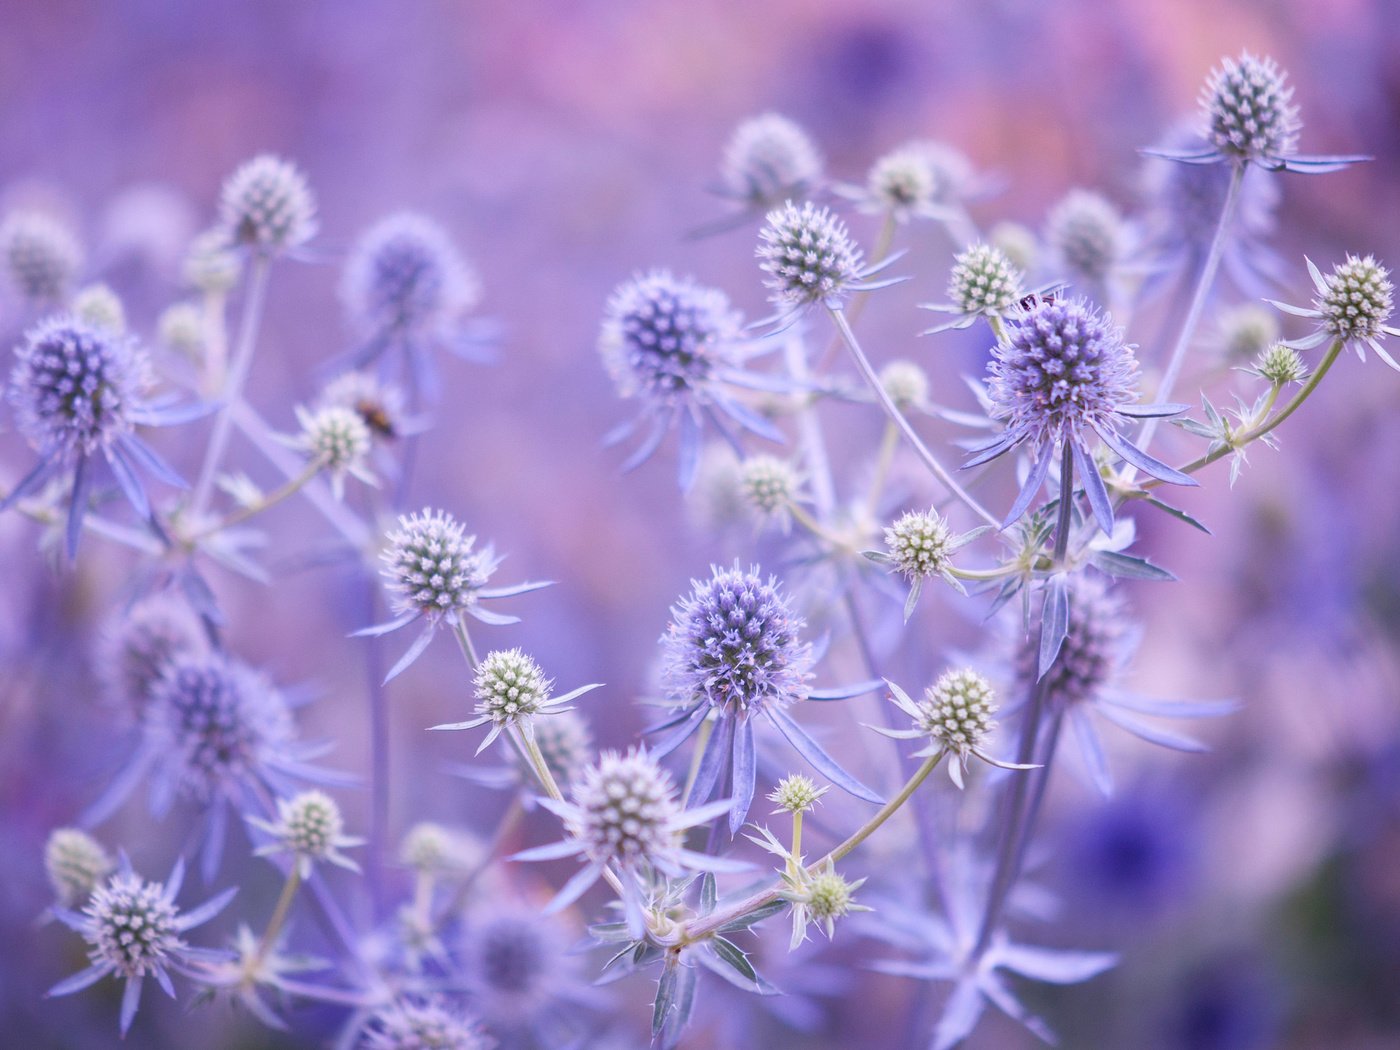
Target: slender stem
{"x":280,"y":911}
{"x":1198,"y":302}
{"x":888,"y":441}
{"x":705,"y":925}
{"x":464,"y":642}
{"x":897,"y":417}
{"x":884,"y":241}
{"x":289,"y":488}
{"x":378,"y":756}
{"x":233,"y":383}
{"x":1062,"y":529}
{"x":816,"y":528}
{"x":797,"y":833}
{"x":99,"y":526}
{"x":809,"y":429}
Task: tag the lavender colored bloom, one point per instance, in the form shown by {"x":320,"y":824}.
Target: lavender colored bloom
{"x":1353,"y":304}
{"x":434,"y":574}
{"x":310,"y":827}
{"x":410,"y":1025}
{"x":768,"y":159}
{"x":78,"y":391}
{"x":733,"y":652}
{"x":1249,"y":118}
{"x":1064,"y":373}
{"x":810,"y":258}
{"x":1086,"y":678}
{"x":624,"y":814}
{"x":266,"y":205}
{"x":76,"y":864}
{"x":139,"y":641}
{"x":40,"y":254}
{"x":133,"y":929}
{"x":678,"y":347}
{"x":983,"y":283}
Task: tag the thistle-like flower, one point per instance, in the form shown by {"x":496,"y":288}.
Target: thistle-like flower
{"x":1280,"y":365}
{"x":137,"y":644}
{"x":79,"y":391}
{"x":1087,"y":237}
{"x":907,"y":384}
{"x":810,"y":258}
{"x":380,"y":404}
{"x":76,"y":864}
{"x":1353,"y":304}
{"x":180,"y":328}
{"x":410,"y":1025}
{"x":338,"y":439}
{"x":820,"y":898}
{"x":1062,"y":372}
{"x":519,"y":969}
{"x":430,"y":848}
{"x":211,"y":266}
{"x":511,"y":692}
{"x":796,"y":793}
{"x":41,"y":256}
{"x":678,"y":347}
{"x":266,"y":206}
{"x":984,"y":283}
{"x":1086,"y":677}
{"x":1247,"y":331}
{"x":768,"y":159}
{"x":100,"y":307}
{"x":733,"y":652}
{"x":955,"y":715}
{"x":308,"y":826}
{"x":434,"y":574}
{"x":770,"y":486}
{"x":133,"y":929}
{"x":1249,"y":118}
{"x":624,"y":813}
{"x":919,"y":545}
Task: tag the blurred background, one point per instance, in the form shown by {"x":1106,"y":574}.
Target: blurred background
{"x":1253,"y":893}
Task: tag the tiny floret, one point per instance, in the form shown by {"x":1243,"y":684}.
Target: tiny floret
{"x":957,"y":711}
{"x":181,"y":328}
{"x":1086,"y":234}
{"x":1357,"y":299}
{"x":510,"y":687}
{"x":423,"y":1026}
{"x":1247,"y":331}
{"x":808,"y":255}
{"x":903,"y":181}
{"x":432,"y":848}
{"x":770,"y":484}
{"x":338,"y":439}
{"x":1249,"y":110}
{"x":829,"y":897}
{"x":266,"y":205}
{"x":920,"y":544}
{"x":378,"y":403}
{"x":431,"y":566}
{"x":984,"y":282}
{"x":796,"y":793}
{"x":100,"y":307}
{"x":1281,"y":365}
{"x":768,"y":158}
{"x":76,"y":863}
{"x":906,"y":383}
{"x":309,"y":826}
{"x":41,"y":256}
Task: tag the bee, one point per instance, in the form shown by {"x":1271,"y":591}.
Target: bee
{"x":376,"y":418}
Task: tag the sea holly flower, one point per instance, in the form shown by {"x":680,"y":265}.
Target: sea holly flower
{"x":512,"y":691}
{"x":417,"y":1025}
{"x":679,"y":348}
{"x":267,"y":207}
{"x":133,"y":929}
{"x":252,"y":965}
{"x":921,"y":179}
{"x":1250,"y":118}
{"x":1085,"y":681}
{"x":76,"y":864}
{"x":733,"y":652}
{"x":810,"y":259}
{"x":919,"y":545}
{"x":818,"y":898}
{"x":1062,"y":374}
{"x":79,"y":392}
{"x":624,"y":814}
{"x":1353,"y":304}
{"x":434,"y":574}
{"x":338,"y":439}
{"x":41,"y":256}
{"x":308,"y":826}
{"x":955,"y":715}
{"x":984,"y":283}
{"x":1088,"y":239}
{"x":769,"y":159}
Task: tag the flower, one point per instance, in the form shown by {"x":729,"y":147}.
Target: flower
{"x":267,"y":206}
{"x":100,"y":307}
{"x":511,"y":690}
{"x":809,"y":257}
{"x":906,"y":383}
{"x":337,"y":438}
{"x":435,"y":575}
{"x":79,"y":390}
{"x":379,"y":404}
{"x":431,"y":848}
{"x":310,"y":827}
{"x":139,"y":641}
{"x":819,"y":897}
{"x":678,"y":346}
{"x":41,"y":255}
{"x":520,"y":971}
{"x":733,"y":650}
{"x":1353,"y":304}
{"x":1099,"y":641}
{"x":1247,"y":331}
{"x":796,"y":793}
{"x":76,"y":864}
{"x":770,"y":485}
{"x":956,"y":715}
{"x":769,"y":158}
{"x":133,"y":930}
{"x":1249,"y":118}
{"x":624,"y":813}
{"x":919,"y":545}
{"x":1086,"y":234}
{"x":984,"y":283}
{"x":409,"y":1025}
{"x":1280,"y":364}
{"x":1062,"y":371}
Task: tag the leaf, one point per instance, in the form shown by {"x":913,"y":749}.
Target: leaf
{"x":729,"y":952}
{"x":809,"y":749}
{"x":1178,"y":514}
{"x":1126,"y":566}
{"x":665,"y":996}
{"x":1054,"y":622}
{"x":709,"y":893}
{"x":753,"y":918}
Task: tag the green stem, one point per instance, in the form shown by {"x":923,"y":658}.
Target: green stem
{"x":464,"y":642}
{"x":897,"y":417}
{"x":288,"y":488}
{"x":280,"y":911}
{"x":884,"y":241}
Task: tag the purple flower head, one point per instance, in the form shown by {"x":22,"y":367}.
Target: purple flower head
{"x":678,"y":346}
{"x":408,"y":1025}
{"x":40,"y":255}
{"x":267,"y":206}
{"x":133,"y":929}
{"x":1062,"y":374}
{"x":1352,"y":304}
{"x":139,"y":641}
{"x":406,"y":277}
{"x":767,"y":159}
{"x":808,"y":255}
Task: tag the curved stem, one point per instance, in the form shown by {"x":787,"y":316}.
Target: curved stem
{"x":279,"y":912}
{"x":288,"y":488}
{"x":464,"y":642}
{"x":378,"y":756}
{"x":233,"y":384}
{"x":897,"y":417}
{"x":1198,"y":302}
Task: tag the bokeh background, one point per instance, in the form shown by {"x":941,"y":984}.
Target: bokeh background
{"x":1253,"y":893}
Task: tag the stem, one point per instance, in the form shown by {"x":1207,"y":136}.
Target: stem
{"x":1198,"y":302}
{"x":886,"y":811}
{"x":706,"y":728}
{"x":897,"y":417}
{"x":464,"y":642}
{"x":809,"y":429}
{"x":378,"y":757}
{"x":884,"y":240}
{"x":289,"y":488}
{"x":1062,"y":527}
{"x":816,"y":528}
{"x":797,"y":833}
{"x":280,"y":911}
{"x":233,"y":384}
{"x":883,"y":458}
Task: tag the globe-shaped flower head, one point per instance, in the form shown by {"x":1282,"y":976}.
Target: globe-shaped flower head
{"x":1087,"y":235}
{"x":808,"y":255}
{"x":40,"y":255}
{"x":767,"y":159}
{"x":1093,"y":650}
{"x":1062,"y":374}
{"x":983,"y":283}
{"x":76,"y":864}
{"x":267,"y":206}
{"x":423,"y":1026}
{"x":405,"y":278}
{"x":1352,"y":304}
{"x":1249,"y":109}
{"x":677,"y":346}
